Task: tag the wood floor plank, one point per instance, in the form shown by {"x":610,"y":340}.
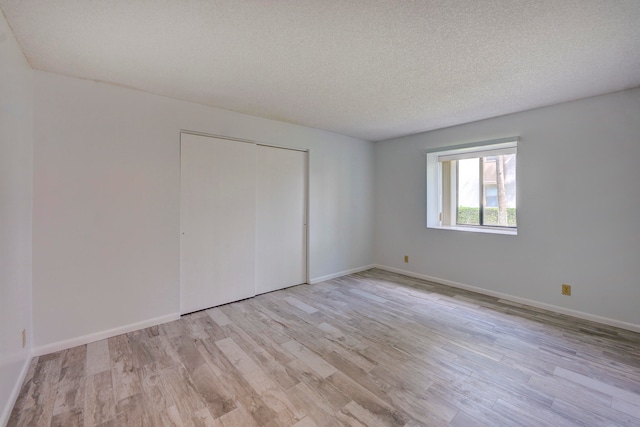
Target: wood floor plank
{"x":238,"y":417}
{"x":218,"y":316}
{"x":381,"y":409}
{"x":548,"y":417}
{"x":268,"y":355}
{"x":355,"y":415}
{"x":600,"y":386}
{"x":171,"y":417}
{"x":315,"y":408}
{"x":518,"y":415}
{"x":232,"y":380}
{"x":131,"y":411}
{"x":306,"y":356}
{"x":74,"y":355}
{"x":425,"y":406}
{"x":157,"y":396}
{"x":305,"y":422}
{"x":321,"y":389}
{"x":70,"y":388}
{"x":630,"y":408}
{"x":463,"y":419}
{"x":570,"y":391}
{"x":217,"y":399}
{"x":182,"y":390}
{"x":593,"y":416}
{"x":99,"y":403}
{"x":369,"y":296}
{"x":372,"y":348}
{"x":301,"y":305}
{"x":98,"y":359}
{"x":247,"y":367}
{"x":42,"y":394}
{"x":259,"y":381}
{"x":203,"y":418}
{"x":73,"y":418}
{"x":125,"y":379}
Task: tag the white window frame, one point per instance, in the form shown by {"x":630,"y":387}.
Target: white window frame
{"x":438,"y":204}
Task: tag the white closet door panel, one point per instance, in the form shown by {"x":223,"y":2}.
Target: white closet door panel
{"x":217,"y":218}
{"x":281,"y":258}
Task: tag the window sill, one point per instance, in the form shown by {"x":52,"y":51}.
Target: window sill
{"x":509,"y":232}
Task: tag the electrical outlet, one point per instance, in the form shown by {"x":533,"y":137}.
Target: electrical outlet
{"x":406,"y":258}
{"x":566,"y":289}
{"x":24,"y":338}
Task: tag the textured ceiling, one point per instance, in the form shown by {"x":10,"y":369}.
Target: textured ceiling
{"x":369,"y":69}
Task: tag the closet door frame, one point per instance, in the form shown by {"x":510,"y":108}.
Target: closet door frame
{"x":307,"y":155}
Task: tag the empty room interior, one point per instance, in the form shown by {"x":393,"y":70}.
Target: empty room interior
{"x":320,"y":213}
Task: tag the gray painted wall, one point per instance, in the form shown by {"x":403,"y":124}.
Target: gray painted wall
{"x":106,"y":242}
{"x":578,"y":208}
{"x":16,"y":169}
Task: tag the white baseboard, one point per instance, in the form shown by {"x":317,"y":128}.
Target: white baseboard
{"x":86,"y":339}
{"x":8,"y":407}
{"x":557,"y":309}
{"x":340,"y":274}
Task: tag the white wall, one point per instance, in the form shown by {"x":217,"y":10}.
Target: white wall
{"x":106,"y":202}
{"x":578,"y":209}
{"x":16,"y":168}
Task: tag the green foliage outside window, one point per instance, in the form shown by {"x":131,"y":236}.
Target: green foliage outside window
{"x":470,"y":216}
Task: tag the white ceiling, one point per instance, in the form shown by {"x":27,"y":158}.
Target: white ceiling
{"x":369,"y":69}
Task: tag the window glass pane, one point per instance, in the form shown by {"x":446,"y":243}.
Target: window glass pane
{"x":468,"y":192}
{"x":499,"y":176}
{"x":490,"y":195}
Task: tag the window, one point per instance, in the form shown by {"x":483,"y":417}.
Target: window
{"x":472,"y":187}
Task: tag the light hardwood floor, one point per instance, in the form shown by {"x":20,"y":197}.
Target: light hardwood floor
{"x":372,"y":349}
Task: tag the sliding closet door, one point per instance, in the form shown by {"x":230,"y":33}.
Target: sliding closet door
{"x":281,"y":256}
{"x":217,"y":219}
